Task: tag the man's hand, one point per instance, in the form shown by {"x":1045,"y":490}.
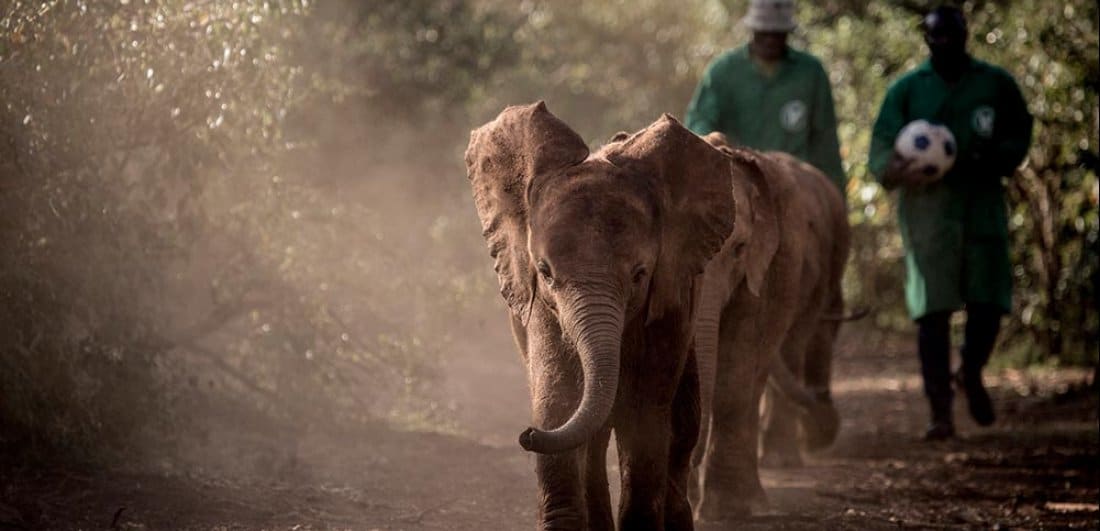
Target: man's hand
{"x":902,"y":171}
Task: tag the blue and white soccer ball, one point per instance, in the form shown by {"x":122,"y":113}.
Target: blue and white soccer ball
{"x":931,"y":147}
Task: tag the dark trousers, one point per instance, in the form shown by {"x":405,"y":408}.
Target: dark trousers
{"x":934,"y":346}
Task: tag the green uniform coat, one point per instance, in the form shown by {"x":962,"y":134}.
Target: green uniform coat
{"x":790,"y":111}
{"x":955,"y":231}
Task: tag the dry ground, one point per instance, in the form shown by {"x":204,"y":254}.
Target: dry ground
{"x":1037,"y":468}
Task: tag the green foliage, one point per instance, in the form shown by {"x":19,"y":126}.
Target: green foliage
{"x":608,"y":66}
{"x":860,"y":70}
{"x":1051,"y":50}
{"x":148,"y":242}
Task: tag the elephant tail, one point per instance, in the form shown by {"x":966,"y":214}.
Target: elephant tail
{"x":786,"y":383}
{"x":858,"y":314}
{"x":814,"y":405}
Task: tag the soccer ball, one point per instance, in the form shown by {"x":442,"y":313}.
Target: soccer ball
{"x":931,"y":147}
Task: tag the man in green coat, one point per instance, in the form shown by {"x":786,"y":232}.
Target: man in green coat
{"x":955,"y":229}
{"x":766,"y":95}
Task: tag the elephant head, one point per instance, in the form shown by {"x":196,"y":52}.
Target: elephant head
{"x":599,"y":241}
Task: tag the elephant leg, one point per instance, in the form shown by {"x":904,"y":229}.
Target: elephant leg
{"x":780,"y":444}
{"x":644,"y":434}
{"x":554,"y":377}
{"x":731,"y":481}
{"x":560,"y":504}
{"x":780,"y":431}
{"x":685,"y":434}
{"x":597,"y":495}
{"x":821,"y":430}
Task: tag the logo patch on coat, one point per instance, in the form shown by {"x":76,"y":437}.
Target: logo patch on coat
{"x":982,"y":120}
{"x":792,"y":116}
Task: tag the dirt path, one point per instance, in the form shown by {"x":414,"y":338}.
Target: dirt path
{"x":1036,"y":469}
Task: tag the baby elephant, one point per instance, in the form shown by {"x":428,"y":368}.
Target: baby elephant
{"x":600,"y":259}
{"x":769,"y":307}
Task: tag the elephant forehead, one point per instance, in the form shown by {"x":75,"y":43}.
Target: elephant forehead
{"x":594,"y":211}
{"x":594,"y":191}
{"x":590,"y":224}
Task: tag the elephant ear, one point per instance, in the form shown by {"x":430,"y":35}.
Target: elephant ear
{"x":758,"y":219}
{"x":719,"y":141}
{"x":693,"y":182}
{"x":503,"y":157}
{"x":619,"y":137}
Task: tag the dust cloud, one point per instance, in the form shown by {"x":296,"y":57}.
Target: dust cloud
{"x":391,"y":252}
{"x":243,"y":284}
{"x":238,"y":239}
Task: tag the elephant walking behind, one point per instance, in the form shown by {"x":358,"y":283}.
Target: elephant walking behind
{"x":768,"y":306}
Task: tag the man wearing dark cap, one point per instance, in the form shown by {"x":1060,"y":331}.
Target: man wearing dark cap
{"x":766,"y":95}
{"x":955,"y":230}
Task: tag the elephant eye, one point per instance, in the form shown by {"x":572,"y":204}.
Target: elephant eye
{"x":639,"y":274}
{"x":544,"y":270}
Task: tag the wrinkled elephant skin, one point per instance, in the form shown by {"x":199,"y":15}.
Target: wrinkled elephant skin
{"x":761,"y":313}
{"x":600,"y":257}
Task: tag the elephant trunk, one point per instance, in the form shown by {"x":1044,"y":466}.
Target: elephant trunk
{"x":706,"y":358}
{"x":597,"y":329}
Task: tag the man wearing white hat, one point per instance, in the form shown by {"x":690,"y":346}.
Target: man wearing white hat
{"x":766,"y":95}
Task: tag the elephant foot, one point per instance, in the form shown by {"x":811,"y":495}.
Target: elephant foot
{"x":781,"y":458}
{"x":821,"y":429}
{"x":780,"y":448}
{"x":732,"y":506}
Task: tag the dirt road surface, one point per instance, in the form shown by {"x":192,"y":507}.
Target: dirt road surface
{"x":1036,"y":469}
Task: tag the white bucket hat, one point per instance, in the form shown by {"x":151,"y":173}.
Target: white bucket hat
{"x":770,"y":15}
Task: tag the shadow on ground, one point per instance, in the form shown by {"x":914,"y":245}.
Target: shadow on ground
{"x":1036,"y":468}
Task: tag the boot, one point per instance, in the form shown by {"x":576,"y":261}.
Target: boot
{"x":934,"y":349}
{"x":977,"y":398}
{"x":942,"y":426}
{"x":939,"y":430}
{"x":982,"y":324}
